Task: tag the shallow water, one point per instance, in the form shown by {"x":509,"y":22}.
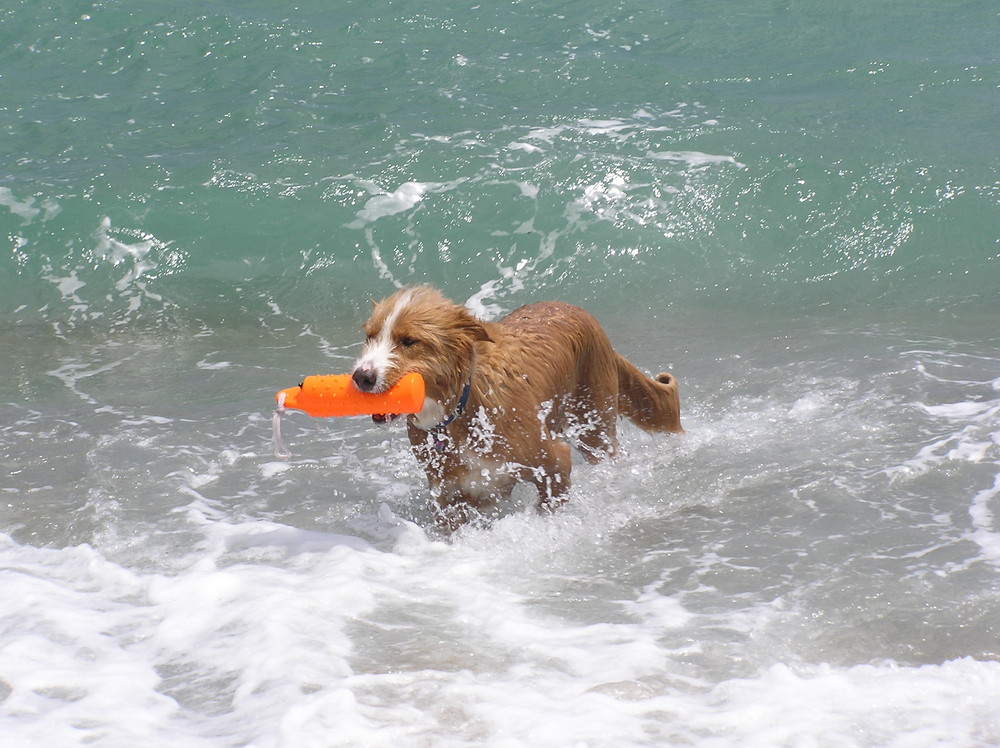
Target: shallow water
{"x":794,"y":210}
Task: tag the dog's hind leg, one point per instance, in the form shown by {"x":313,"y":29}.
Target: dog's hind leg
{"x":597,"y":435}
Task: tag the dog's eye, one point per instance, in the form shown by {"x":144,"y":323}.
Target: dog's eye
{"x":408,"y":342}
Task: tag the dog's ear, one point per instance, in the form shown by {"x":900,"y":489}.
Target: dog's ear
{"x":476,"y":329}
{"x":480,"y":332}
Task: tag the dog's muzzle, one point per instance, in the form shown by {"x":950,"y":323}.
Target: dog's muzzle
{"x":365,"y":378}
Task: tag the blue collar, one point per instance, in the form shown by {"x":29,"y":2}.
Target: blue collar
{"x":438,"y":434}
{"x":462,"y":402}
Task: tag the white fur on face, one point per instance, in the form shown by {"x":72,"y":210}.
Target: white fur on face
{"x":378,"y":353}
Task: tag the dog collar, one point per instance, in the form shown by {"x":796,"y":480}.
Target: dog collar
{"x":438,"y":432}
{"x":462,"y":402}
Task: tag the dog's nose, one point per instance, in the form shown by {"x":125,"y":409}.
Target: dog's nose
{"x":364,"y":378}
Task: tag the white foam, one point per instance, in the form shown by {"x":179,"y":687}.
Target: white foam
{"x":72,"y":373}
{"x":69,"y":285}
{"x":546,"y":134}
{"x":271,"y":469}
{"x":213,"y":365}
{"x":528,"y":189}
{"x":132,"y":286}
{"x":950,"y":704}
{"x":526,"y":147}
{"x":25,"y":209}
{"x":962,"y":411}
{"x":810,"y":406}
{"x":403,"y":198}
{"x":135,"y":256}
{"x":263,"y":633}
{"x":694,"y":159}
{"x":476,"y":303}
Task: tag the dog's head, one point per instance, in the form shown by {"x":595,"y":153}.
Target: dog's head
{"x":418,"y":329}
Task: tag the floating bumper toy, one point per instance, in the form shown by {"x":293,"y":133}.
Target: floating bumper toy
{"x":327,"y":395}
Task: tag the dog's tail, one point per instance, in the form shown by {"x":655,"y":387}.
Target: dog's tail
{"x":653,"y":404}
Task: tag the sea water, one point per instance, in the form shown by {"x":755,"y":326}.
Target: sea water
{"x":794,"y":207}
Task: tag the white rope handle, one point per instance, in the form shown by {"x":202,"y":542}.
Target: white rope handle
{"x":280,"y":450}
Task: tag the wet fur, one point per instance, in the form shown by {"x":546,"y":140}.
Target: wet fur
{"x":540,"y":378}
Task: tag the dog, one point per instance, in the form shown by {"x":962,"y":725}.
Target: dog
{"x":505,"y":399}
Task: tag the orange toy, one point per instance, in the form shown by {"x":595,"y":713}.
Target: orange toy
{"x":335,"y":395}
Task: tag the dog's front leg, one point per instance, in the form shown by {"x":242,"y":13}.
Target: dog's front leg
{"x":452,"y":513}
{"x":456,"y":506}
{"x":552,"y":477}
{"x":459,"y":492}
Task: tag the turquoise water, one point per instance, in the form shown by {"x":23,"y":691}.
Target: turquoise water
{"x":848,"y":152}
{"x":795,"y":207}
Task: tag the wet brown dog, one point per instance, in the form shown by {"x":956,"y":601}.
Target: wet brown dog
{"x":504,"y":399}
